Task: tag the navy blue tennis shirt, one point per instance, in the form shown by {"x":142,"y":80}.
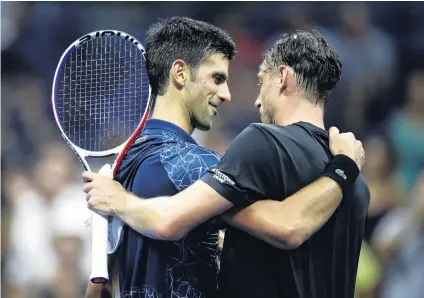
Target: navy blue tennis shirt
{"x":163,"y":161}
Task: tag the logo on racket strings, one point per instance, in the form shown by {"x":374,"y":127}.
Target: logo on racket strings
{"x":97,"y":34}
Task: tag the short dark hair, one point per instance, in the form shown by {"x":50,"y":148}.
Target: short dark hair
{"x":316,"y":65}
{"x":182,"y":38}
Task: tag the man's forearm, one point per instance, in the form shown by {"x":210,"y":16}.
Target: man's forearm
{"x":288,"y":223}
{"x":148,"y":217}
{"x":171,"y":218}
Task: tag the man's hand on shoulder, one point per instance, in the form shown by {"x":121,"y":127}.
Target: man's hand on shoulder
{"x":347,"y":144}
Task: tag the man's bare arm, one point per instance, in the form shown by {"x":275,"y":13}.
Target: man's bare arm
{"x":283,"y":224}
{"x":162,"y":218}
{"x":289,"y":223}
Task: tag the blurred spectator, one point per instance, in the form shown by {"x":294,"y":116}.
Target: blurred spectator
{"x":292,"y":16}
{"x":38,"y":221}
{"x":385,"y":186}
{"x":24,"y":111}
{"x":249,"y":48}
{"x":71,"y":244}
{"x":367,"y":52}
{"x":399,"y":242}
{"x":11,"y":17}
{"x":368,"y":56}
{"x":406,"y":130}
{"x":369,"y":273}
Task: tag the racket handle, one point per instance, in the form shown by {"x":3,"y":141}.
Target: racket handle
{"x":99,"y":272}
{"x":99,"y":245}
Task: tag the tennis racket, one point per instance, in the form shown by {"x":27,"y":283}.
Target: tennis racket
{"x":101,"y":101}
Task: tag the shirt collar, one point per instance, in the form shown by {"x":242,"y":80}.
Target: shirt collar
{"x":161,"y":124}
{"x":312,"y":127}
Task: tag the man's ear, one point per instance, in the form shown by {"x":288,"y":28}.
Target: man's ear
{"x":283,"y":72}
{"x":179,"y":73}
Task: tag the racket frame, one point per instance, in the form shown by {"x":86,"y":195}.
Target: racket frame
{"x":120,"y":150}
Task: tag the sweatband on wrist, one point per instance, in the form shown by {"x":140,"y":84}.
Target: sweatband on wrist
{"x":343,"y":170}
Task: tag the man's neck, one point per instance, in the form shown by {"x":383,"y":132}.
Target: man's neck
{"x":304,"y":111}
{"x":171,"y":110}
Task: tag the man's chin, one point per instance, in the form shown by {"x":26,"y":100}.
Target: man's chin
{"x":204,"y":126}
{"x":264,"y":119}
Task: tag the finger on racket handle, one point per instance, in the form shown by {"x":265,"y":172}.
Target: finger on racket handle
{"x":99,"y":246}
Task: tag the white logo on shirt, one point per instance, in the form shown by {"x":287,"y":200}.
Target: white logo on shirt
{"x":221,"y":177}
{"x":141,"y":139}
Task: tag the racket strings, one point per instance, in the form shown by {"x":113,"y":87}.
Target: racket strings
{"x":103,"y":93}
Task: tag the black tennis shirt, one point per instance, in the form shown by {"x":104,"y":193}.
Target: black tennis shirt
{"x":273,"y":162}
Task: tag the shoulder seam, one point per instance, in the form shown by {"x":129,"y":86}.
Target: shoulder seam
{"x":188,"y":174}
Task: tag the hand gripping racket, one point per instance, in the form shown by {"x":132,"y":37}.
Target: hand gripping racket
{"x":101,"y":101}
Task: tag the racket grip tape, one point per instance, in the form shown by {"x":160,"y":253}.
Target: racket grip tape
{"x":99,"y":245}
{"x":99,"y":266}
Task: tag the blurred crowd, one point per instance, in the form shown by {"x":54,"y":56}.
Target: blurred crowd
{"x":45,"y":243}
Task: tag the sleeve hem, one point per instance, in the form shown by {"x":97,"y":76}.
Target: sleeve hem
{"x":227,"y":189}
